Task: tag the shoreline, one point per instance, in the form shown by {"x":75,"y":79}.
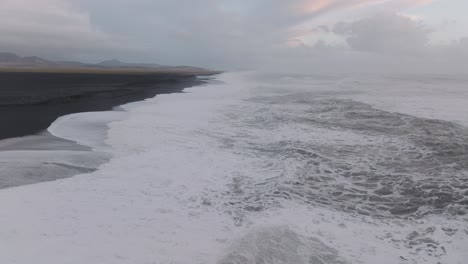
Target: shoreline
{"x":30,"y":101}
{"x":40,"y":142}
{"x":31,"y":153}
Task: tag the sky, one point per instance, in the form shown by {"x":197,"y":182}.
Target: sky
{"x":302,"y":35}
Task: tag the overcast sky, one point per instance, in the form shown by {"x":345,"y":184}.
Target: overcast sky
{"x":230,"y":34}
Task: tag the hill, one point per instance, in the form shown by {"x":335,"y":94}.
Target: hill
{"x":14,"y":62}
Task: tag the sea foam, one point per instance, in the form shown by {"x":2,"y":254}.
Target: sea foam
{"x":246,"y":170}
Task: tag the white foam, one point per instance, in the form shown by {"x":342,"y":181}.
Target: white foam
{"x":166,"y":196}
{"x":46,"y":157}
{"x":89,"y":128}
{"x":436,"y":99}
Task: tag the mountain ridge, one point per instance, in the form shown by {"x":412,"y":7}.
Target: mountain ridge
{"x":10,"y":60}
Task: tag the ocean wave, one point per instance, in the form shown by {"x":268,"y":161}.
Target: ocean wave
{"x":253,"y":170}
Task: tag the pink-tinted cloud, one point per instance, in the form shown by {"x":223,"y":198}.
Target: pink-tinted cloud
{"x":309,"y":10}
{"x":316,"y":7}
{"x":413,"y":3}
{"x":322,"y":6}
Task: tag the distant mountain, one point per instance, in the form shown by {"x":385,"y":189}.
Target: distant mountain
{"x":119,"y":64}
{"x":73,"y":64}
{"x":13,"y":61}
{"x":111,"y":63}
{"x":8,"y":57}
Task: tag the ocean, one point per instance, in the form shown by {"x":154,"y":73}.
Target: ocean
{"x":258,"y":168}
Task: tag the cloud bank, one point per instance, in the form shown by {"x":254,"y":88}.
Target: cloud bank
{"x":47,"y":27}
{"x":299,"y":34}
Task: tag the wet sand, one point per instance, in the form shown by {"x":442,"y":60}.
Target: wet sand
{"x":40,"y":142}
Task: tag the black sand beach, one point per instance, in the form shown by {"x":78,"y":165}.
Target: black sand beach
{"x":31,"y":101}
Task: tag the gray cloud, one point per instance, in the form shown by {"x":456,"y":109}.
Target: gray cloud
{"x":387,"y":33}
{"x":206,"y":32}
{"x":216,"y":33}
{"x":49,"y":28}
{"x":379,"y":43}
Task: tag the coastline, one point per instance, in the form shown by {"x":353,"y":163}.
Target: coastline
{"x":31,"y":101}
{"x":34,"y":145}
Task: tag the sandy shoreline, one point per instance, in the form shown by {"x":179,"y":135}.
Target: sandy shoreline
{"x":31,"y":101}
{"x":42,"y":141}
{"x":31,"y":154}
